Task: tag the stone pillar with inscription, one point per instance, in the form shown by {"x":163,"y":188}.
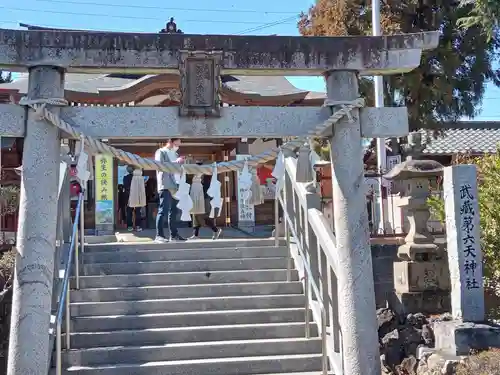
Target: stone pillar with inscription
{"x":468,"y":329}
{"x":464,"y":248}
{"x":421,"y":276}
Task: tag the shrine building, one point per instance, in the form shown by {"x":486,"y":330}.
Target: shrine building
{"x":163,"y":90}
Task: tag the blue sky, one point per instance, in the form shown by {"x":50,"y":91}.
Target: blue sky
{"x":257,"y":17}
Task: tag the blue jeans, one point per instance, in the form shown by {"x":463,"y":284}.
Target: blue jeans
{"x":168,"y":207}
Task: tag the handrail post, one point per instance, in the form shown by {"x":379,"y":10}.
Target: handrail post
{"x":82,"y":225}
{"x":306,"y":292}
{"x":289,"y":253}
{"x":324,"y":358}
{"x":68,"y":321}
{"x":58,"y":349}
{"x":276,"y":222}
{"x":287,"y":232}
{"x":77,"y":257}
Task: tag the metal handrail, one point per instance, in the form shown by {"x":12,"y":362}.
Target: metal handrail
{"x":308,"y":282}
{"x":63,"y":308}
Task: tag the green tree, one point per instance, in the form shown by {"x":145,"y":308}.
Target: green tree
{"x":450,"y":81}
{"x":484,"y":13}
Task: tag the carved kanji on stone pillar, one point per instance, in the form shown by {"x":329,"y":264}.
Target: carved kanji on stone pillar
{"x":200,"y":82}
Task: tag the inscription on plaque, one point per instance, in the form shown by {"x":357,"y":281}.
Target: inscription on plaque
{"x":200,"y":80}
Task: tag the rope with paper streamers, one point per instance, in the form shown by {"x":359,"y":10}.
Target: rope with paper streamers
{"x":96,"y":146}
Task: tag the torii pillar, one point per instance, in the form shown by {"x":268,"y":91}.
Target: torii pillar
{"x":36,"y":233}
{"x":358,"y":320}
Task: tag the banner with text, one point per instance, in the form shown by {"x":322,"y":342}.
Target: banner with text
{"x":104,"y":207}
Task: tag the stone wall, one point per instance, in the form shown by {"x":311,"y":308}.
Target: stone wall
{"x":383,"y":257}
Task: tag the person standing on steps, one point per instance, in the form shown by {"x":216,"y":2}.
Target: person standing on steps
{"x":201,"y":206}
{"x":137,"y":198}
{"x":168,"y":184}
{"x":128,"y":211}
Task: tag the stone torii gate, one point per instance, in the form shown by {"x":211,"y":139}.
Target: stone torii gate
{"x":199,"y":59}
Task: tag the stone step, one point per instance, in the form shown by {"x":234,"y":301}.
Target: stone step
{"x":183,"y":305}
{"x":162,"y":336}
{"x":185,"y":266}
{"x":213,"y":366}
{"x":185,"y":291}
{"x":197,"y":244}
{"x":185,"y":278}
{"x":190,"y":350}
{"x":186,"y":319}
{"x":138,"y":255}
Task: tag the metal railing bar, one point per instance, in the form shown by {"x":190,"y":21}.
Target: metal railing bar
{"x":63,"y":309}
{"x":77,"y":255}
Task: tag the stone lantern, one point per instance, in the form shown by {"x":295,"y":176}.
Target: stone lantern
{"x":421,"y":276}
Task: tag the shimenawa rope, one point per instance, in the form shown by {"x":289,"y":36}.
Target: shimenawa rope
{"x":96,"y":146}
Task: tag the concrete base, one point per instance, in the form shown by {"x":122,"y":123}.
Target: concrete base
{"x":247,"y":226}
{"x":429,"y":302}
{"x":458,"y":338}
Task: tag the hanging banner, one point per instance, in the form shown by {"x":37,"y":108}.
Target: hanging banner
{"x":104,"y":208}
{"x":246,"y":212}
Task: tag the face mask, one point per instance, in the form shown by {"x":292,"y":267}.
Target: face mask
{"x":175,"y":148}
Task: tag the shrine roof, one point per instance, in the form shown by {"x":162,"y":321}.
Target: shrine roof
{"x":93,"y":83}
{"x":474,"y":137}
{"x":151,"y":89}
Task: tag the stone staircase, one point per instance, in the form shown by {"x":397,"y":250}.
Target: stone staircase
{"x":197,"y":308}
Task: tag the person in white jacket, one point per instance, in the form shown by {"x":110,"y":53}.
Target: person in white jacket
{"x":201,"y":205}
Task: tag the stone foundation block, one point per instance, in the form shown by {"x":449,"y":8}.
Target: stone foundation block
{"x":412,"y":277}
{"x":429,"y":302}
{"x":412,"y":251}
{"x":458,"y":338}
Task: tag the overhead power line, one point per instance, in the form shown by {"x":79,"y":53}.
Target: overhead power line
{"x":50,"y":26}
{"x":73,"y":27}
{"x":267,"y":25}
{"x":225,"y":10}
{"x":207,"y":20}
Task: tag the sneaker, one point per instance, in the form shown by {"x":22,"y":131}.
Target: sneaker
{"x":130,"y":229}
{"x":159,"y":239}
{"x":193,"y":237}
{"x":138,"y":229}
{"x":177,"y":238}
{"x":217,"y":234}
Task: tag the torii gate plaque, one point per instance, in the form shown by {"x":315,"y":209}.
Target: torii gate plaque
{"x":200,"y":58}
{"x":200,"y":82}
